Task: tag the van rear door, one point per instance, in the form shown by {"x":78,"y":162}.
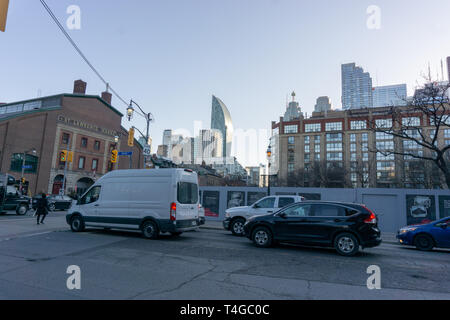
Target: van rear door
{"x":187,"y":200}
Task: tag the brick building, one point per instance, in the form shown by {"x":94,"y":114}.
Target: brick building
{"x":87,"y":125}
{"x":344,"y":141}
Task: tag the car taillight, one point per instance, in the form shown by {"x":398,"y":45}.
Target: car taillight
{"x":372,"y":218}
{"x":173,"y":212}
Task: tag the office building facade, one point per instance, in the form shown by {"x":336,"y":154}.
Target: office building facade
{"x":386,"y":96}
{"x":356,"y":87}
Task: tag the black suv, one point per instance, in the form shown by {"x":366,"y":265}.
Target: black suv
{"x":344,"y":226}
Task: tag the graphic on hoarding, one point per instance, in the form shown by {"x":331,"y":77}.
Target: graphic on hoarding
{"x":420,"y":209}
{"x":444,"y":206}
{"x":211,"y":203}
{"x":311,"y":196}
{"x":235,"y":199}
{"x":252,"y":197}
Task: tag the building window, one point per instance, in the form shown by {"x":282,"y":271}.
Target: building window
{"x":334,"y":156}
{"x":447,"y":133}
{"x":317,"y":139}
{"x":81,"y":162}
{"x":317,"y":157}
{"x":307,"y":158}
{"x":307,"y":149}
{"x":411,"y":122}
{"x":334,"y":137}
{"x":353,"y":156}
{"x":384,"y":136}
{"x":313,"y":127}
{"x":365,"y":147}
{"x":385,"y":156}
{"x":353,"y":147}
{"x":291,"y":156}
{"x":97,"y":145}
{"x":334,"y":147}
{"x":307,"y":140}
{"x":84,"y":142}
{"x":365,"y":156}
{"x":94,"y":164}
{"x":365,"y":137}
{"x":353,"y":137}
{"x":333,"y":126}
{"x":291,"y":167}
{"x":317,"y":148}
{"x":358,"y":125}
{"x":291,"y":140}
{"x":384,"y":123}
{"x":291,"y":129}
{"x":65,"y":138}
{"x":31,"y":163}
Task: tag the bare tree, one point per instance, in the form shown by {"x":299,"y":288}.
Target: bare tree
{"x":431,"y":105}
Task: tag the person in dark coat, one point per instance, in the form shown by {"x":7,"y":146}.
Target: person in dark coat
{"x":42,"y":208}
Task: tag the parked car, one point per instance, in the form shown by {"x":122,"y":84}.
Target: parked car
{"x":152,"y":201}
{"x":427,"y":236}
{"x":55,"y":202}
{"x":13,"y":200}
{"x":344,"y":226}
{"x":235,"y":218}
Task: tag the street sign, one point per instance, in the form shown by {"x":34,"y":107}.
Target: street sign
{"x":27,"y":167}
{"x":147,"y":150}
{"x":125,"y":153}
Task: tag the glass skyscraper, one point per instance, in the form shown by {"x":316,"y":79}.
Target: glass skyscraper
{"x":356,"y":87}
{"x":221,"y":121}
{"x":387,"y":96}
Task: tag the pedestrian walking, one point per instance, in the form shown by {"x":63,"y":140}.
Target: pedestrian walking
{"x":42,"y":208}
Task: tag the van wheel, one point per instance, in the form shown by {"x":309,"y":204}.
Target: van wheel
{"x":77,"y":224}
{"x":22,"y":210}
{"x":262,"y":237}
{"x":424,"y":242}
{"x":346,"y":244}
{"x":237,"y":227}
{"x":150,"y":230}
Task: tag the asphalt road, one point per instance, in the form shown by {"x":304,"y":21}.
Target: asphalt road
{"x":208,"y":264}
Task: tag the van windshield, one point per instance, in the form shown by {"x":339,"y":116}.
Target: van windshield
{"x":187,"y":193}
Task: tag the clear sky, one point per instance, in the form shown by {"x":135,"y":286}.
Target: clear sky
{"x":171,"y":55}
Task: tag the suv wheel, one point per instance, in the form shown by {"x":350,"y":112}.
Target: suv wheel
{"x":262,"y":237}
{"x":77,"y":224}
{"x":237,"y":226}
{"x":22,"y":210}
{"x":346,"y":244}
{"x":424,"y":242}
{"x":150,"y":230}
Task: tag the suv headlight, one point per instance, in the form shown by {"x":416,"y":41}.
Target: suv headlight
{"x":227,"y":215}
{"x":406,"y":230}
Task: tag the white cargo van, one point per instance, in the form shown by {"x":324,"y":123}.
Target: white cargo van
{"x":153,"y":201}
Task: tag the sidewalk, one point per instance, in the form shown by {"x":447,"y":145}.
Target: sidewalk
{"x":26,"y":226}
{"x":217,"y":225}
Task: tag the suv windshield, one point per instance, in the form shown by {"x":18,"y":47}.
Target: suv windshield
{"x":187,"y":193}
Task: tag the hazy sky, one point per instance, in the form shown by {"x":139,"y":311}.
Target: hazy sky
{"x":171,"y":55}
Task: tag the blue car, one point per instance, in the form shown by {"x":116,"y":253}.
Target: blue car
{"x":427,"y":236}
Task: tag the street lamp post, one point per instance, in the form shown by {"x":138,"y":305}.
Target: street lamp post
{"x":147,"y":116}
{"x":269,"y":156}
{"x":33,"y":151}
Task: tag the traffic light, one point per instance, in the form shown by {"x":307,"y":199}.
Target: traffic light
{"x":23,"y":180}
{"x":63,"y":156}
{"x":131,"y":138}
{"x":114,"y":154}
{"x":70,"y":157}
{"x":3,"y":14}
